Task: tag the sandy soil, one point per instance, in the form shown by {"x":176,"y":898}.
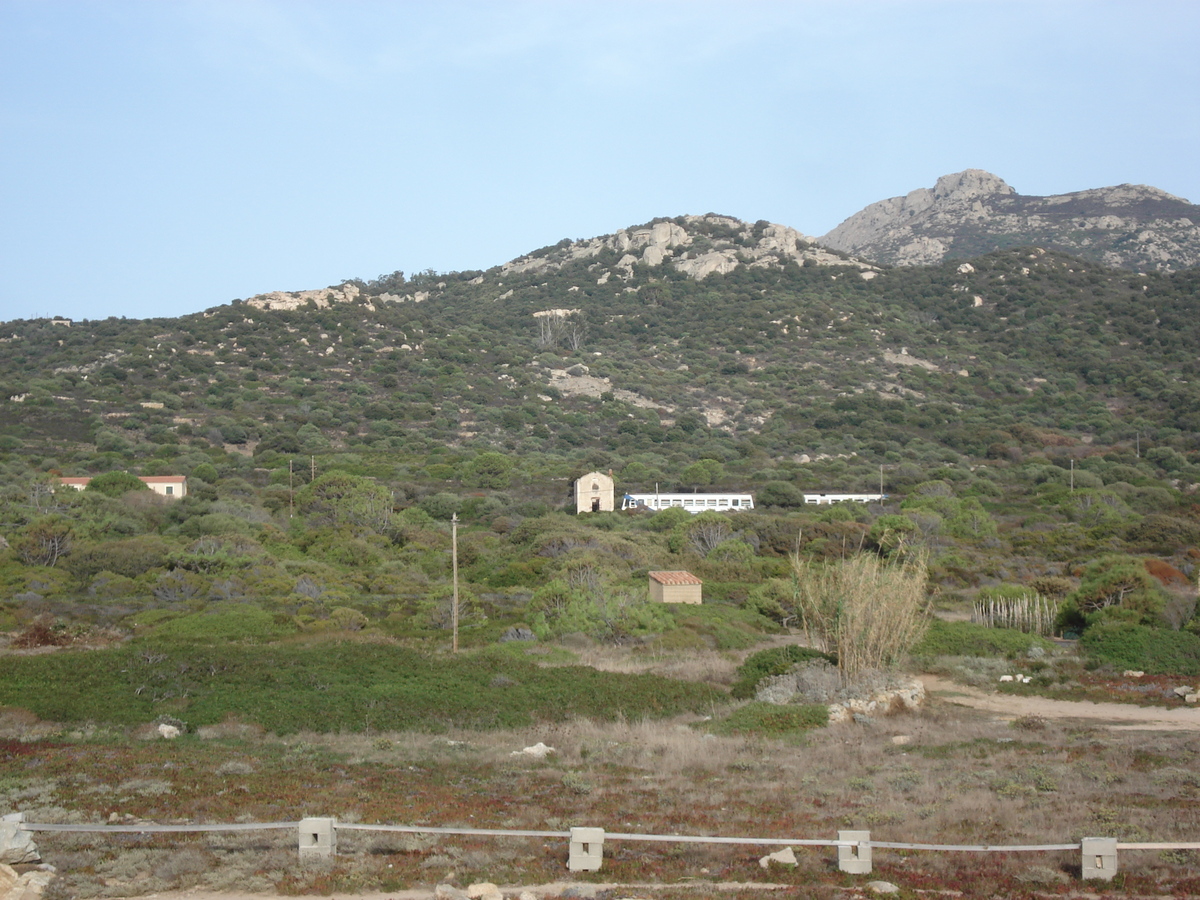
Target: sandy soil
{"x":1113,"y":715}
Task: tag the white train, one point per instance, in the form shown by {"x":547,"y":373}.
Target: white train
{"x":698,"y":503}
{"x":844,"y":498}
{"x":693,"y":503}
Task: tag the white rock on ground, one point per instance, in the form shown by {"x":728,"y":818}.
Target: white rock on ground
{"x":538,"y":750}
{"x":484,"y":890}
{"x":16,"y":845}
{"x":27,"y":886}
{"x":786,"y":857}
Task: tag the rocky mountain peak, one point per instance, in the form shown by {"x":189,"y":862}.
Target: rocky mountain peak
{"x":974,"y":212}
{"x":969,"y":184}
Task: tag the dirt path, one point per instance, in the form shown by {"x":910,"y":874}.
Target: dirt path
{"x":1113,"y":715}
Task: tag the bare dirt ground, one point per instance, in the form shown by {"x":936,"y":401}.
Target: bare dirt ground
{"x":1124,"y":716}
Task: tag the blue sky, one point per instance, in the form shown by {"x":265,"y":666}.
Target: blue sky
{"x":167,"y":156}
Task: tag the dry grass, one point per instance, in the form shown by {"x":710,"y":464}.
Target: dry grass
{"x":706,"y":666}
{"x":960,"y":777}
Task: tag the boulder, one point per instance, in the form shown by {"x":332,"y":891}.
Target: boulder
{"x":484,"y":890}
{"x":16,"y":845}
{"x":537,"y":751}
{"x":785,"y":857}
{"x":518,"y":633}
{"x":908,"y":696}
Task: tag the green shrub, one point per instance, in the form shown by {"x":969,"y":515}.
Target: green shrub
{"x":717,"y":625}
{"x":221,"y":624}
{"x":773,"y":720}
{"x":1114,"y":586}
{"x":331,"y":687}
{"x":116,"y":484}
{"x":1154,"y":650}
{"x":969,"y":639}
{"x":766,"y":663}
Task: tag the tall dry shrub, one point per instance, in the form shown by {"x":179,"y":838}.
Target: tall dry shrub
{"x":867,"y":610}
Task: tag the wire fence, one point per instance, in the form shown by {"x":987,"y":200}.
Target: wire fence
{"x":317,"y":837}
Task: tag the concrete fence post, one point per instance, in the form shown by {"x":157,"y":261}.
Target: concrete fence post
{"x":587,"y":849}
{"x":1099,"y":858}
{"x":318,"y":838}
{"x":854,"y":859}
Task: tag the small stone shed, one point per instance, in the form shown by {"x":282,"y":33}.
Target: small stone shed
{"x":594,"y":492}
{"x":675,"y":587}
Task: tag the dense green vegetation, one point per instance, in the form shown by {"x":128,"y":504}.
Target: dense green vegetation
{"x":968,"y":639}
{"x":1035,"y":423}
{"x":329,"y":687}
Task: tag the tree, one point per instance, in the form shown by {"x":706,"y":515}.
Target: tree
{"x":489,"y":470}
{"x":45,"y":541}
{"x":116,"y":484}
{"x":780,"y":493}
{"x":702,"y":473}
{"x":707,"y":531}
{"x":339,"y":500}
{"x":560,"y":326}
{"x":442,"y":505}
{"x":1114,"y":587}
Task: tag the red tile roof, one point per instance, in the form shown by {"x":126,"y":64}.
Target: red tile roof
{"x":673,"y":578}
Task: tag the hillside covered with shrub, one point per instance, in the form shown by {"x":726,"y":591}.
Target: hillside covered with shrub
{"x":1033,"y":419}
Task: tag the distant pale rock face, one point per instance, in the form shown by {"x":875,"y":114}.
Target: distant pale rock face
{"x":296,"y":299}
{"x":698,"y":246}
{"x":974,"y":212}
{"x":722,"y":261}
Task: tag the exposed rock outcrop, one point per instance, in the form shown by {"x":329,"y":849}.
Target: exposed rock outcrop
{"x":321,"y":299}
{"x":695,"y":245}
{"x":974,"y":212}
{"x":871,"y":694}
{"x":23,"y":885}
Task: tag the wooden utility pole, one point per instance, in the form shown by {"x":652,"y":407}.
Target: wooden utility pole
{"x":454,"y":563}
{"x":291,"y":490}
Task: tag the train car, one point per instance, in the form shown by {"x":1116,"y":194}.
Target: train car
{"x":693,"y":503}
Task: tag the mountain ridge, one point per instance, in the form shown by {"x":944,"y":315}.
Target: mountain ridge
{"x":973,"y":212}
